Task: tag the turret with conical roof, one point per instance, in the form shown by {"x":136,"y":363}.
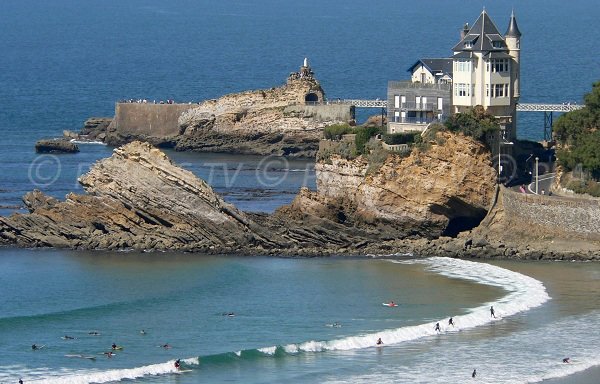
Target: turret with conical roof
{"x":513,"y":42}
{"x":513,"y":28}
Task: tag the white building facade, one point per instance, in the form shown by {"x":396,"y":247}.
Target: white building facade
{"x":484,"y":70}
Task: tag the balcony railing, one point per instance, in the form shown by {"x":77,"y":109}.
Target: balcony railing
{"x":414,"y":106}
{"x":410,"y":84}
{"x":413,"y":120}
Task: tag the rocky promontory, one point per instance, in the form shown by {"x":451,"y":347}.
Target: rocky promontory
{"x":138,"y":199}
{"x":287,"y":120}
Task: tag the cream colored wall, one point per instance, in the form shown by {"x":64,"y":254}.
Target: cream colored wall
{"x":416,"y":75}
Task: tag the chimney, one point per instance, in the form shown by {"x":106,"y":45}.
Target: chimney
{"x":464,"y":31}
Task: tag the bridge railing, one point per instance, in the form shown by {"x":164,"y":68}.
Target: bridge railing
{"x":539,"y":107}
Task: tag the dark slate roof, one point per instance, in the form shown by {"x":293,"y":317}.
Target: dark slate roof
{"x":443,"y":65}
{"x":497,"y":55}
{"x":513,"y":29}
{"x":481,"y":36}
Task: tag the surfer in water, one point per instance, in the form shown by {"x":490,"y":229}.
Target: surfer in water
{"x":142,"y":332}
{"x":379,"y":341}
{"x":492,"y":313}
{"x":567,"y":360}
{"x":166,"y":346}
{"x":67,"y":337}
{"x":20,"y":381}
{"x":474,"y":373}
{"x":34,"y":347}
{"x":451,"y":322}
{"x":177,"y":364}
{"x":437,"y":327}
{"x":109,"y":354}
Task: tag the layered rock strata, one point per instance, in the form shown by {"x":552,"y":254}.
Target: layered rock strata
{"x":136,"y":199}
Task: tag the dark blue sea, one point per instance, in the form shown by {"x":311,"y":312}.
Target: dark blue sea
{"x":62,"y":61}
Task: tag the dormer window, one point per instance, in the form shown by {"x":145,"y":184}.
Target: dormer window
{"x":497,"y":44}
{"x":468,"y":44}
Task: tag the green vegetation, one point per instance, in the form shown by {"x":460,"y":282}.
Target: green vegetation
{"x":590,"y":187}
{"x":336,"y":131}
{"x":578,"y":135}
{"x":400,"y":138}
{"x":477,"y":123}
{"x":363,"y":135}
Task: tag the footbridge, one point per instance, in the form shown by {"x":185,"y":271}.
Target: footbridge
{"x":521,"y":107}
{"x":548,"y":109}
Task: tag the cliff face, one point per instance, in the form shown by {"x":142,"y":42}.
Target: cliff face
{"x":426,"y":194}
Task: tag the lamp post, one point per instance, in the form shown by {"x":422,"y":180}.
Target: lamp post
{"x":536,"y":174}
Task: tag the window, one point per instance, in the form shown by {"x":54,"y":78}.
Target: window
{"x":497,"y":44}
{"x":461,"y":89}
{"x":396,"y":116}
{"x":498,"y":65}
{"x":396,"y":101}
{"x":440,"y":103}
{"x":500,"y":90}
{"x":462,"y":66}
{"x":487,"y":90}
{"x":468,"y":44}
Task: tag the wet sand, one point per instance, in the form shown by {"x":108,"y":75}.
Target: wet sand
{"x":574,"y":288}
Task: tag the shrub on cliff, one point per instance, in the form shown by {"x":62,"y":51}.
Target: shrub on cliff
{"x":336,"y":131}
{"x":400,"y":138}
{"x":476,"y":122}
{"x":363,"y":135}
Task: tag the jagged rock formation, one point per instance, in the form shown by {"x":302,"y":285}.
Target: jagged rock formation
{"x":136,"y":199}
{"x":426,"y":194}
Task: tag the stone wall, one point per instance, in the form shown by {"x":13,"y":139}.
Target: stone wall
{"x":323,"y":113}
{"x":553,"y":215}
{"x":141,"y":119}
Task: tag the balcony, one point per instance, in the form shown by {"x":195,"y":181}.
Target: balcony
{"x":413,"y":106}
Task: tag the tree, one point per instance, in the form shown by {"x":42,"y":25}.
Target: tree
{"x":578,"y":134}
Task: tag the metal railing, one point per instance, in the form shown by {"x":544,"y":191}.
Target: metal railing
{"x":409,"y":84}
{"x":539,"y":107}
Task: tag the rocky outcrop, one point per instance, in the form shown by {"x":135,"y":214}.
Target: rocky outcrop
{"x":55,"y":146}
{"x":286,"y":120}
{"x":136,"y":199}
{"x":94,"y":129}
{"x":427,"y":194}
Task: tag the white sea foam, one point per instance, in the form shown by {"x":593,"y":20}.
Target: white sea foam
{"x":524,"y":293}
{"x":75,"y":141}
{"x":93,"y":376}
{"x":268,"y":350}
